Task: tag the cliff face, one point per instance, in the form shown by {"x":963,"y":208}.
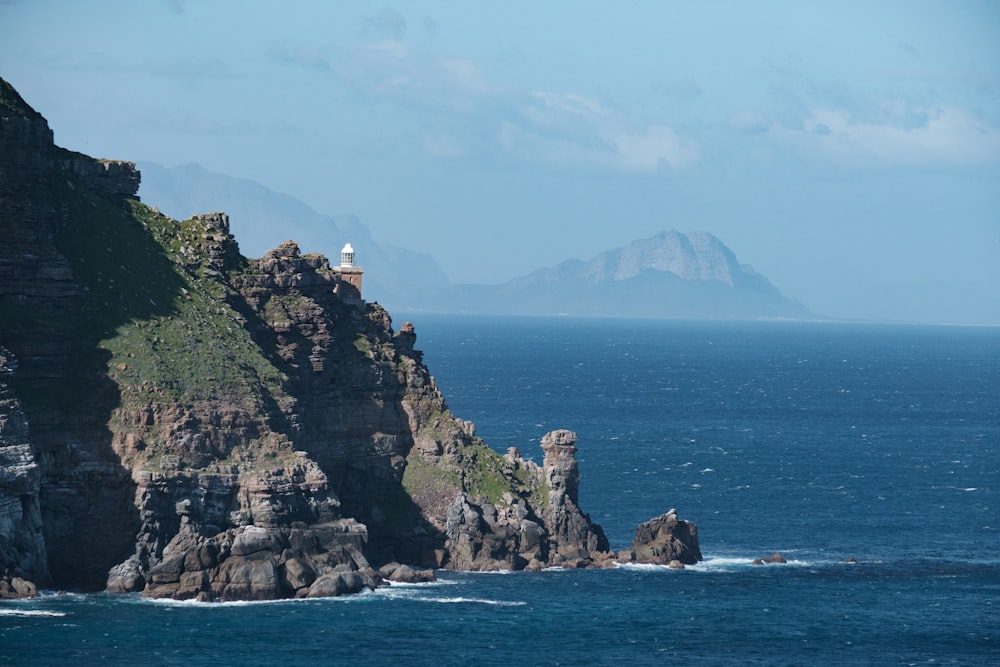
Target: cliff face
{"x":22,"y":546}
{"x":191,"y":423}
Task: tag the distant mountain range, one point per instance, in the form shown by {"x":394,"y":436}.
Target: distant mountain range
{"x":671,"y":274}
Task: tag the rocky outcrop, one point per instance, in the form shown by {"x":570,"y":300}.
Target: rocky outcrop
{"x":541,"y":526}
{"x":663,"y":540}
{"x":572,"y":535}
{"x":256,"y":563}
{"x":209,"y":426}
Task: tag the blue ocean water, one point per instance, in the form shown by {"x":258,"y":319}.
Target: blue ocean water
{"x":826,"y":442}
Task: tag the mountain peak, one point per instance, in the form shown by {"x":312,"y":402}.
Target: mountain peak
{"x":691,"y":256}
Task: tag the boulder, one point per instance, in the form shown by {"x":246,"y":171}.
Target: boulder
{"x":242,"y":578}
{"x":297,"y":573}
{"x":338,"y":583}
{"x":665,"y":539}
{"x":404,"y":574}
{"x":254,"y":539}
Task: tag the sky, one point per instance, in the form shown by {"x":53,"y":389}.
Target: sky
{"x":849,"y":151}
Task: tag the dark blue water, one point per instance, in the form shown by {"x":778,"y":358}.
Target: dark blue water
{"x":826,"y":442}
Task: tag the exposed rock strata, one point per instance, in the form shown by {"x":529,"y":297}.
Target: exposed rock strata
{"x":209,"y":426}
{"x":22,"y":546}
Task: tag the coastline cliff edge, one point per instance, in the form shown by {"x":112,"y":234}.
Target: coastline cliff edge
{"x":182,"y":421}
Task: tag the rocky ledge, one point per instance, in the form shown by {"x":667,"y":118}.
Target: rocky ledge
{"x":209,"y":426}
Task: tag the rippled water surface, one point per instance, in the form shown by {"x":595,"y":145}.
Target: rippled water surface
{"x":826,"y":442}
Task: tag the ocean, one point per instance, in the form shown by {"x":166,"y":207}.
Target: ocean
{"x":868,"y":455}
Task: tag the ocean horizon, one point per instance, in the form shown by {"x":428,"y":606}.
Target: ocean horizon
{"x":868,"y":455}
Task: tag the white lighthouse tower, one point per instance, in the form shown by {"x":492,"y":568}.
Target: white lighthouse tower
{"x":347,"y":256}
{"x":350,"y":275}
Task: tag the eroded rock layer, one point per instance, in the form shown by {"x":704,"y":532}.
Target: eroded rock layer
{"x":190,"y":423}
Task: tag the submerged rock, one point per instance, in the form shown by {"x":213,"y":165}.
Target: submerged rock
{"x":773,"y":558}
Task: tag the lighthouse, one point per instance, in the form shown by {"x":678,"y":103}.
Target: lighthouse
{"x":347,"y":257}
{"x":350,"y":275}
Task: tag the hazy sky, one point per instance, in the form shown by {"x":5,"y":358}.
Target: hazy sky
{"x":850,"y":151}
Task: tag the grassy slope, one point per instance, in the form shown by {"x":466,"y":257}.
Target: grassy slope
{"x":152,"y":320}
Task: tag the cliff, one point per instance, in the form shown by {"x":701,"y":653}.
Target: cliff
{"x":178,"y":419}
{"x":262,"y":218}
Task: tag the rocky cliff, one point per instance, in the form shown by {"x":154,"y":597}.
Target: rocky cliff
{"x":180,"y":420}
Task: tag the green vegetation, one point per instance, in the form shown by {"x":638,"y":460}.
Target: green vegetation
{"x":363,"y":345}
{"x":487,"y":474}
{"x":152,"y":318}
{"x":161,"y":324}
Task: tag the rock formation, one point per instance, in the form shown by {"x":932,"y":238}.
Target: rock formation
{"x":208,"y":426}
{"x":22,"y":547}
{"x":665,"y":540}
{"x":534,"y":525}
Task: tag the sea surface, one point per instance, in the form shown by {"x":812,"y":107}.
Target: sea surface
{"x":829,"y":443}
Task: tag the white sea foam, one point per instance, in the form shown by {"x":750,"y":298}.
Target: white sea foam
{"x":31,"y":612}
{"x":423,"y":584}
{"x":460,"y":600}
{"x":724,"y":563}
{"x":247,"y":603}
{"x":423,"y":595}
{"x":647,"y":567}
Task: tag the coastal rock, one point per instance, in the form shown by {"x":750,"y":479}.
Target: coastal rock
{"x":209,"y":426}
{"x":665,"y":539}
{"x":255,"y":563}
{"x":404,"y":574}
{"x":572,"y":535}
{"x":533,"y":530}
{"x":337,"y":583}
{"x":22,"y":546}
{"x":773,"y":558}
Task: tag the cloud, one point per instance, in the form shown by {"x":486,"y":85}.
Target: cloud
{"x":575,"y":130}
{"x":940,"y":135}
{"x":471,"y":114}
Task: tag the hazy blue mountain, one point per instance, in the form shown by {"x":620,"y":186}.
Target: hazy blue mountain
{"x":261,"y":219}
{"x":671,"y":274}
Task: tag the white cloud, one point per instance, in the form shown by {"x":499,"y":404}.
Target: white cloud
{"x":468,"y":111}
{"x":573,"y":129}
{"x":913,"y":136}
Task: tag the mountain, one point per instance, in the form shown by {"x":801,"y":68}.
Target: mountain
{"x":671,"y":274}
{"x":184,"y":421}
{"x":262,"y":218}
